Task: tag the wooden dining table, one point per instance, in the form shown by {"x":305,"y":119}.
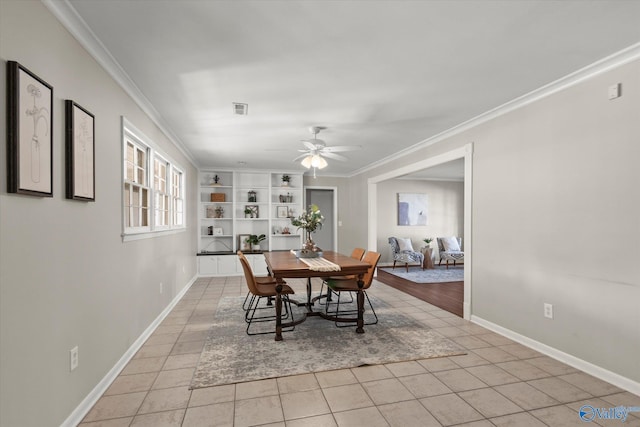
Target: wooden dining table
{"x":286,"y":265}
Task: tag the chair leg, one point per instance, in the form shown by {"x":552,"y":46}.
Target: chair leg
{"x":251,"y":319}
{"x":406,"y":266}
{"x":447,"y":264}
{"x":394,"y":265}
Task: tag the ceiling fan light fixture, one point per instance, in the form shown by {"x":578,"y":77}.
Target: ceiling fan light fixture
{"x":306,"y":162}
{"x":317,"y":161}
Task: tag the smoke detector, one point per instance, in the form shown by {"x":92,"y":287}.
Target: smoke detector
{"x":240,"y":109}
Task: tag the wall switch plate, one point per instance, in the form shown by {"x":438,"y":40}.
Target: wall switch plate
{"x":615,"y":91}
{"x":73,"y":358}
{"x":548,"y":310}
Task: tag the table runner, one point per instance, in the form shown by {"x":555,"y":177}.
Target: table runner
{"x":320,"y":264}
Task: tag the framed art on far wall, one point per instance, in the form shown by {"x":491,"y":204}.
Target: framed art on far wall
{"x":243,"y":245}
{"x":29,"y":133}
{"x":79,"y":152}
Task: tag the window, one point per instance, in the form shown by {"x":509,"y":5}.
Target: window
{"x":153,"y":187}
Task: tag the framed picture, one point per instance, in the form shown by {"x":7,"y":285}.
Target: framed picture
{"x":242,"y":244}
{"x":254,"y":210}
{"x":79,"y":152}
{"x":217,"y":231}
{"x":412,"y":209}
{"x":283,"y":212}
{"x":29,"y":136}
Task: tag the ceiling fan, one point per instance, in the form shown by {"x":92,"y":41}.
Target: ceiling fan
{"x":316,"y":150}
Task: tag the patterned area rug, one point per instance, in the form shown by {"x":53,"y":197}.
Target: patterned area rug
{"x":438,"y":275}
{"x":231,"y":356}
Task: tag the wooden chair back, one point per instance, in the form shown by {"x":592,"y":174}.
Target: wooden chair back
{"x":372,"y":259}
{"x":248,"y":274}
{"x":358,"y":253}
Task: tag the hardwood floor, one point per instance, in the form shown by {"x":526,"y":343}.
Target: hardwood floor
{"x":447,"y":296}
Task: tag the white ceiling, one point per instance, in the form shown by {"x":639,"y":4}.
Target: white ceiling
{"x":385,"y":75}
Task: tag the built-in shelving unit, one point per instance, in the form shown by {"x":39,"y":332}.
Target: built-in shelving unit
{"x":235,"y":204}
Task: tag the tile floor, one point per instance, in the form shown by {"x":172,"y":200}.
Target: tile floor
{"x":498,"y":383}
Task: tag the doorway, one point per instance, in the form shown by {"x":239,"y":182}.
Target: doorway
{"x":326,"y":200}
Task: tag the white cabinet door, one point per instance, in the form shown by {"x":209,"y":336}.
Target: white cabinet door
{"x":208,"y":265}
{"x":227,"y":265}
{"x":259,"y":265}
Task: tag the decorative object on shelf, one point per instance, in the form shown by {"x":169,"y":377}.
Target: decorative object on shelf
{"x":79,"y":152}
{"x":290,"y":212}
{"x":283,"y":212}
{"x":217,"y":231}
{"x":211,"y":212}
{"x":210,"y":230}
{"x":218,"y":197}
{"x":243,"y":242}
{"x":428,"y":241}
{"x":285,"y":180}
{"x":219,"y":212}
{"x":254,"y":240}
{"x":309,"y":221}
{"x":288,"y":198}
{"x":29,"y":133}
{"x":215,"y":181}
{"x":252,"y":210}
{"x":285,"y":230}
{"x":277,"y":230}
{"x":252,"y":197}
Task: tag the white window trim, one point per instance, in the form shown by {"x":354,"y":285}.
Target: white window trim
{"x":129,"y":131}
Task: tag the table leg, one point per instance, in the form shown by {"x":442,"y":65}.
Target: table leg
{"x":279,"y":311}
{"x":309,"y":293}
{"x":360,"y":326}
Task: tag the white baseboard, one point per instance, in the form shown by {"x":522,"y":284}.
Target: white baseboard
{"x":87,"y":403}
{"x":588,"y":367}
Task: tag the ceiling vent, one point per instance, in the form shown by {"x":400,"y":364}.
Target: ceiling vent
{"x":240,"y":109}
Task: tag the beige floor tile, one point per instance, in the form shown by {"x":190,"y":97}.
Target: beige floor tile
{"x":492,"y":375}
{"x":459,"y":380}
{"x":481,"y":423}
{"x":369,"y":417}
{"x":304,"y":404}
{"x":252,"y":389}
{"x":257,"y":411}
{"x":174,"y":378}
{"x":347,"y":397}
{"x":520,"y":351}
{"x":403,"y":369}
{"x":157,"y":339}
{"x":424,"y":385}
{"x":523,"y":370}
{"x":188,"y":336}
{"x":439,"y":364}
{"x":165,"y":400}
{"x":494,"y":354}
{"x":469,"y":359}
{"x":552,"y":366}
{"x":435,"y":323}
{"x":371,"y":373}
{"x":558,"y":416}
{"x":154,"y":351}
{"x":591,"y":385}
{"x":407,"y":413}
{"x":211,"y":395}
{"x":470,"y":342}
{"x":168,"y":329}
{"x":450,"y":409}
{"x":187,"y":347}
{"x":387,"y":391}
{"x":335,"y":378}
{"x":526,"y":396}
{"x":494,"y":339}
{"x":131,"y":383}
{"x":216,"y":415}
{"x":181,"y":361}
{"x":159,"y":419}
{"x":326,"y":420}
{"x":117,"y":406}
{"x":117,"y":422}
{"x":141,"y":366}
{"x":522,"y":419}
{"x":560,"y":390}
{"x":489,"y":402}
{"x":296,"y":383}
{"x":625,"y":398}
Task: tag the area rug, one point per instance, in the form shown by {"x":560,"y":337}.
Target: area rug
{"x":231,"y":356}
{"x":440,"y":274}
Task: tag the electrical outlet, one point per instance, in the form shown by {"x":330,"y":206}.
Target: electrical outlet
{"x":161,"y":287}
{"x":548,"y":310}
{"x":73,"y":358}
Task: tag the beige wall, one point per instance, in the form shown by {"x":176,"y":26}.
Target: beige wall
{"x":445,"y":213}
{"x":555,"y":210}
{"x":66,"y":277}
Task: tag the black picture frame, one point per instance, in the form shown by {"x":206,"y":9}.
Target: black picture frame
{"x":29,"y":133}
{"x":79,"y":153}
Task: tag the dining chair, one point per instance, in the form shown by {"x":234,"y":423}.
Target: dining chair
{"x":259,"y":291}
{"x":337,"y":287}
{"x":357,"y":253}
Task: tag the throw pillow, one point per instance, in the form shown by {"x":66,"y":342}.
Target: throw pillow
{"x":451,"y":244}
{"x":405,"y":244}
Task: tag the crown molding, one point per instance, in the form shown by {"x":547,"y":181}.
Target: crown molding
{"x":71,"y":20}
{"x":618,"y":59}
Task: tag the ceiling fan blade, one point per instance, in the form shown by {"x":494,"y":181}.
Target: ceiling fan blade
{"x":334,"y":156}
{"x":300,"y":157}
{"x":339,"y":148}
{"x":309,"y":144}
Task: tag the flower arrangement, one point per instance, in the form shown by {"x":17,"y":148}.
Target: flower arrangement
{"x":427,"y":240}
{"x":310,"y":221}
